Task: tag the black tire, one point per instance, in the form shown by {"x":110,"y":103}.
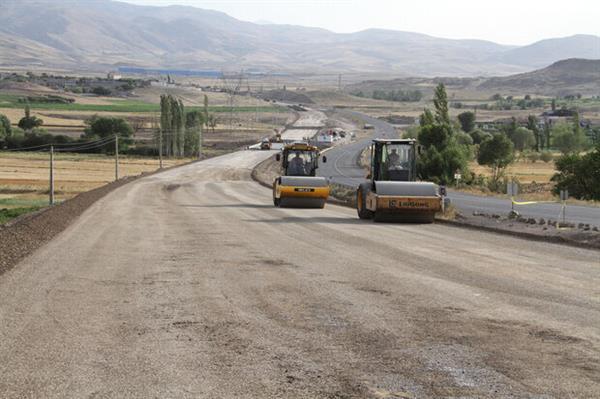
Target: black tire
{"x":380,"y":217}
{"x":361,"y":202}
{"x":276,"y":201}
{"x":430,"y":217}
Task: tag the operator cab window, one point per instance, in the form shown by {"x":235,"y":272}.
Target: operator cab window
{"x":300,"y":163}
{"x":396,"y":161}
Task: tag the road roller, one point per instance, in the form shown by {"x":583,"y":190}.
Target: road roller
{"x":298,"y":186}
{"x":392,"y":192}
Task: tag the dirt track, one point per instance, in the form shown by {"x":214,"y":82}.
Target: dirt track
{"x":190,"y":284}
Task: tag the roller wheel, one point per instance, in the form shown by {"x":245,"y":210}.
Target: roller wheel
{"x":276,"y":201}
{"x":430,"y":218}
{"x":361,"y":202}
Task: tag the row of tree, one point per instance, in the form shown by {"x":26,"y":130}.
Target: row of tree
{"x":566,"y":137}
{"x":27,"y":124}
{"x":180,"y":132}
{"x":449,"y":145}
{"x":393,"y":95}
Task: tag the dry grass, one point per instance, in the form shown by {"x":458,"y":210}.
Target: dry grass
{"x":524,"y":172}
{"x":24,"y":176}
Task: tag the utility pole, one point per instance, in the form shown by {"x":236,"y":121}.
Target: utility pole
{"x":51,"y":188}
{"x":116,"y":157}
{"x":160,"y":148}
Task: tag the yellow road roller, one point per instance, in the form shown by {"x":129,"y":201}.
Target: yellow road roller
{"x":298,"y":186}
{"x":392,"y":192}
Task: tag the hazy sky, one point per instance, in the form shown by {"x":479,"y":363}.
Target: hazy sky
{"x":502,"y":21}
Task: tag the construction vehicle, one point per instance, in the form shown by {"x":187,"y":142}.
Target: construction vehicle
{"x":298,"y":186}
{"x":392,"y":192}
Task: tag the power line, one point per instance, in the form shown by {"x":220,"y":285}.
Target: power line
{"x":46,"y":147}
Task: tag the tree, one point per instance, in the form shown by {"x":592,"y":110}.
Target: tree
{"x":5,"y":127}
{"x":467,"y":121}
{"x":172,"y":125}
{"x":440,"y":103}
{"x":565,"y":139}
{"x":194,"y":120}
{"x":553,"y":104}
{"x":463,"y":138}
{"x":511,"y":127}
{"x":497,"y":153}
{"x":522,"y":139}
{"x":206,"y":110}
{"x":105,"y":127}
{"x":426,"y":118}
{"x":532,"y":124}
{"x":28,"y":122}
{"x":547,"y":134}
{"x":101,"y":91}
{"x":479,"y":135}
{"x":443,"y":155}
{"x":435,"y":135}
{"x":212,"y":122}
{"x":440,"y":166}
{"x":580,"y":174}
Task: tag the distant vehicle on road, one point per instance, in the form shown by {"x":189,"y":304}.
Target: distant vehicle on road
{"x":368,"y":126}
{"x":265,"y":145}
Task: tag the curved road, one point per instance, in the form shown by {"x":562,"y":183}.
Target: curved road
{"x":189,"y":284}
{"x":342,"y":161}
{"x":342,"y":168}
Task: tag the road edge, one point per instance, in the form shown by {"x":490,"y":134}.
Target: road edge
{"x":23,"y":235}
{"x":256,"y":176}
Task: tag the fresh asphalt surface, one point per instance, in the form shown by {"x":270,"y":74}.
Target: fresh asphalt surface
{"x":190,"y":284}
{"x":342,"y":168}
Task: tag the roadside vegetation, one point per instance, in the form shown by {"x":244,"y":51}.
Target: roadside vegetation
{"x":391,"y":95}
{"x":459,"y":153}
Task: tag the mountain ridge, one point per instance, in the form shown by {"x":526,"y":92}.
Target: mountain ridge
{"x":104,"y":34}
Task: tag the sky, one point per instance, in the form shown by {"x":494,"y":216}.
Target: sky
{"x":515,"y":22}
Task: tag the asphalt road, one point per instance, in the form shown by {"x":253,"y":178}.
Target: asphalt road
{"x":190,"y":284}
{"x":342,"y":168}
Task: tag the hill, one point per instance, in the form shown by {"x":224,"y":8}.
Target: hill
{"x":102,"y":35}
{"x":545,"y":52}
{"x":563,"y":77}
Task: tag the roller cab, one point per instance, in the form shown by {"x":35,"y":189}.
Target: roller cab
{"x":298,"y":186}
{"x":393,"y":194}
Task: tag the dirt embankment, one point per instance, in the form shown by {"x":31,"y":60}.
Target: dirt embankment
{"x":266,"y":172}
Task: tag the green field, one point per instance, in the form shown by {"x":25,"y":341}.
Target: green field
{"x":131,"y":106}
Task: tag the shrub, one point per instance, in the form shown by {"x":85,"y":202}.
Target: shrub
{"x":497,"y":153}
{"x":532,"y":157}
{"x":546,"y":156}
{"x":580,"y":174}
